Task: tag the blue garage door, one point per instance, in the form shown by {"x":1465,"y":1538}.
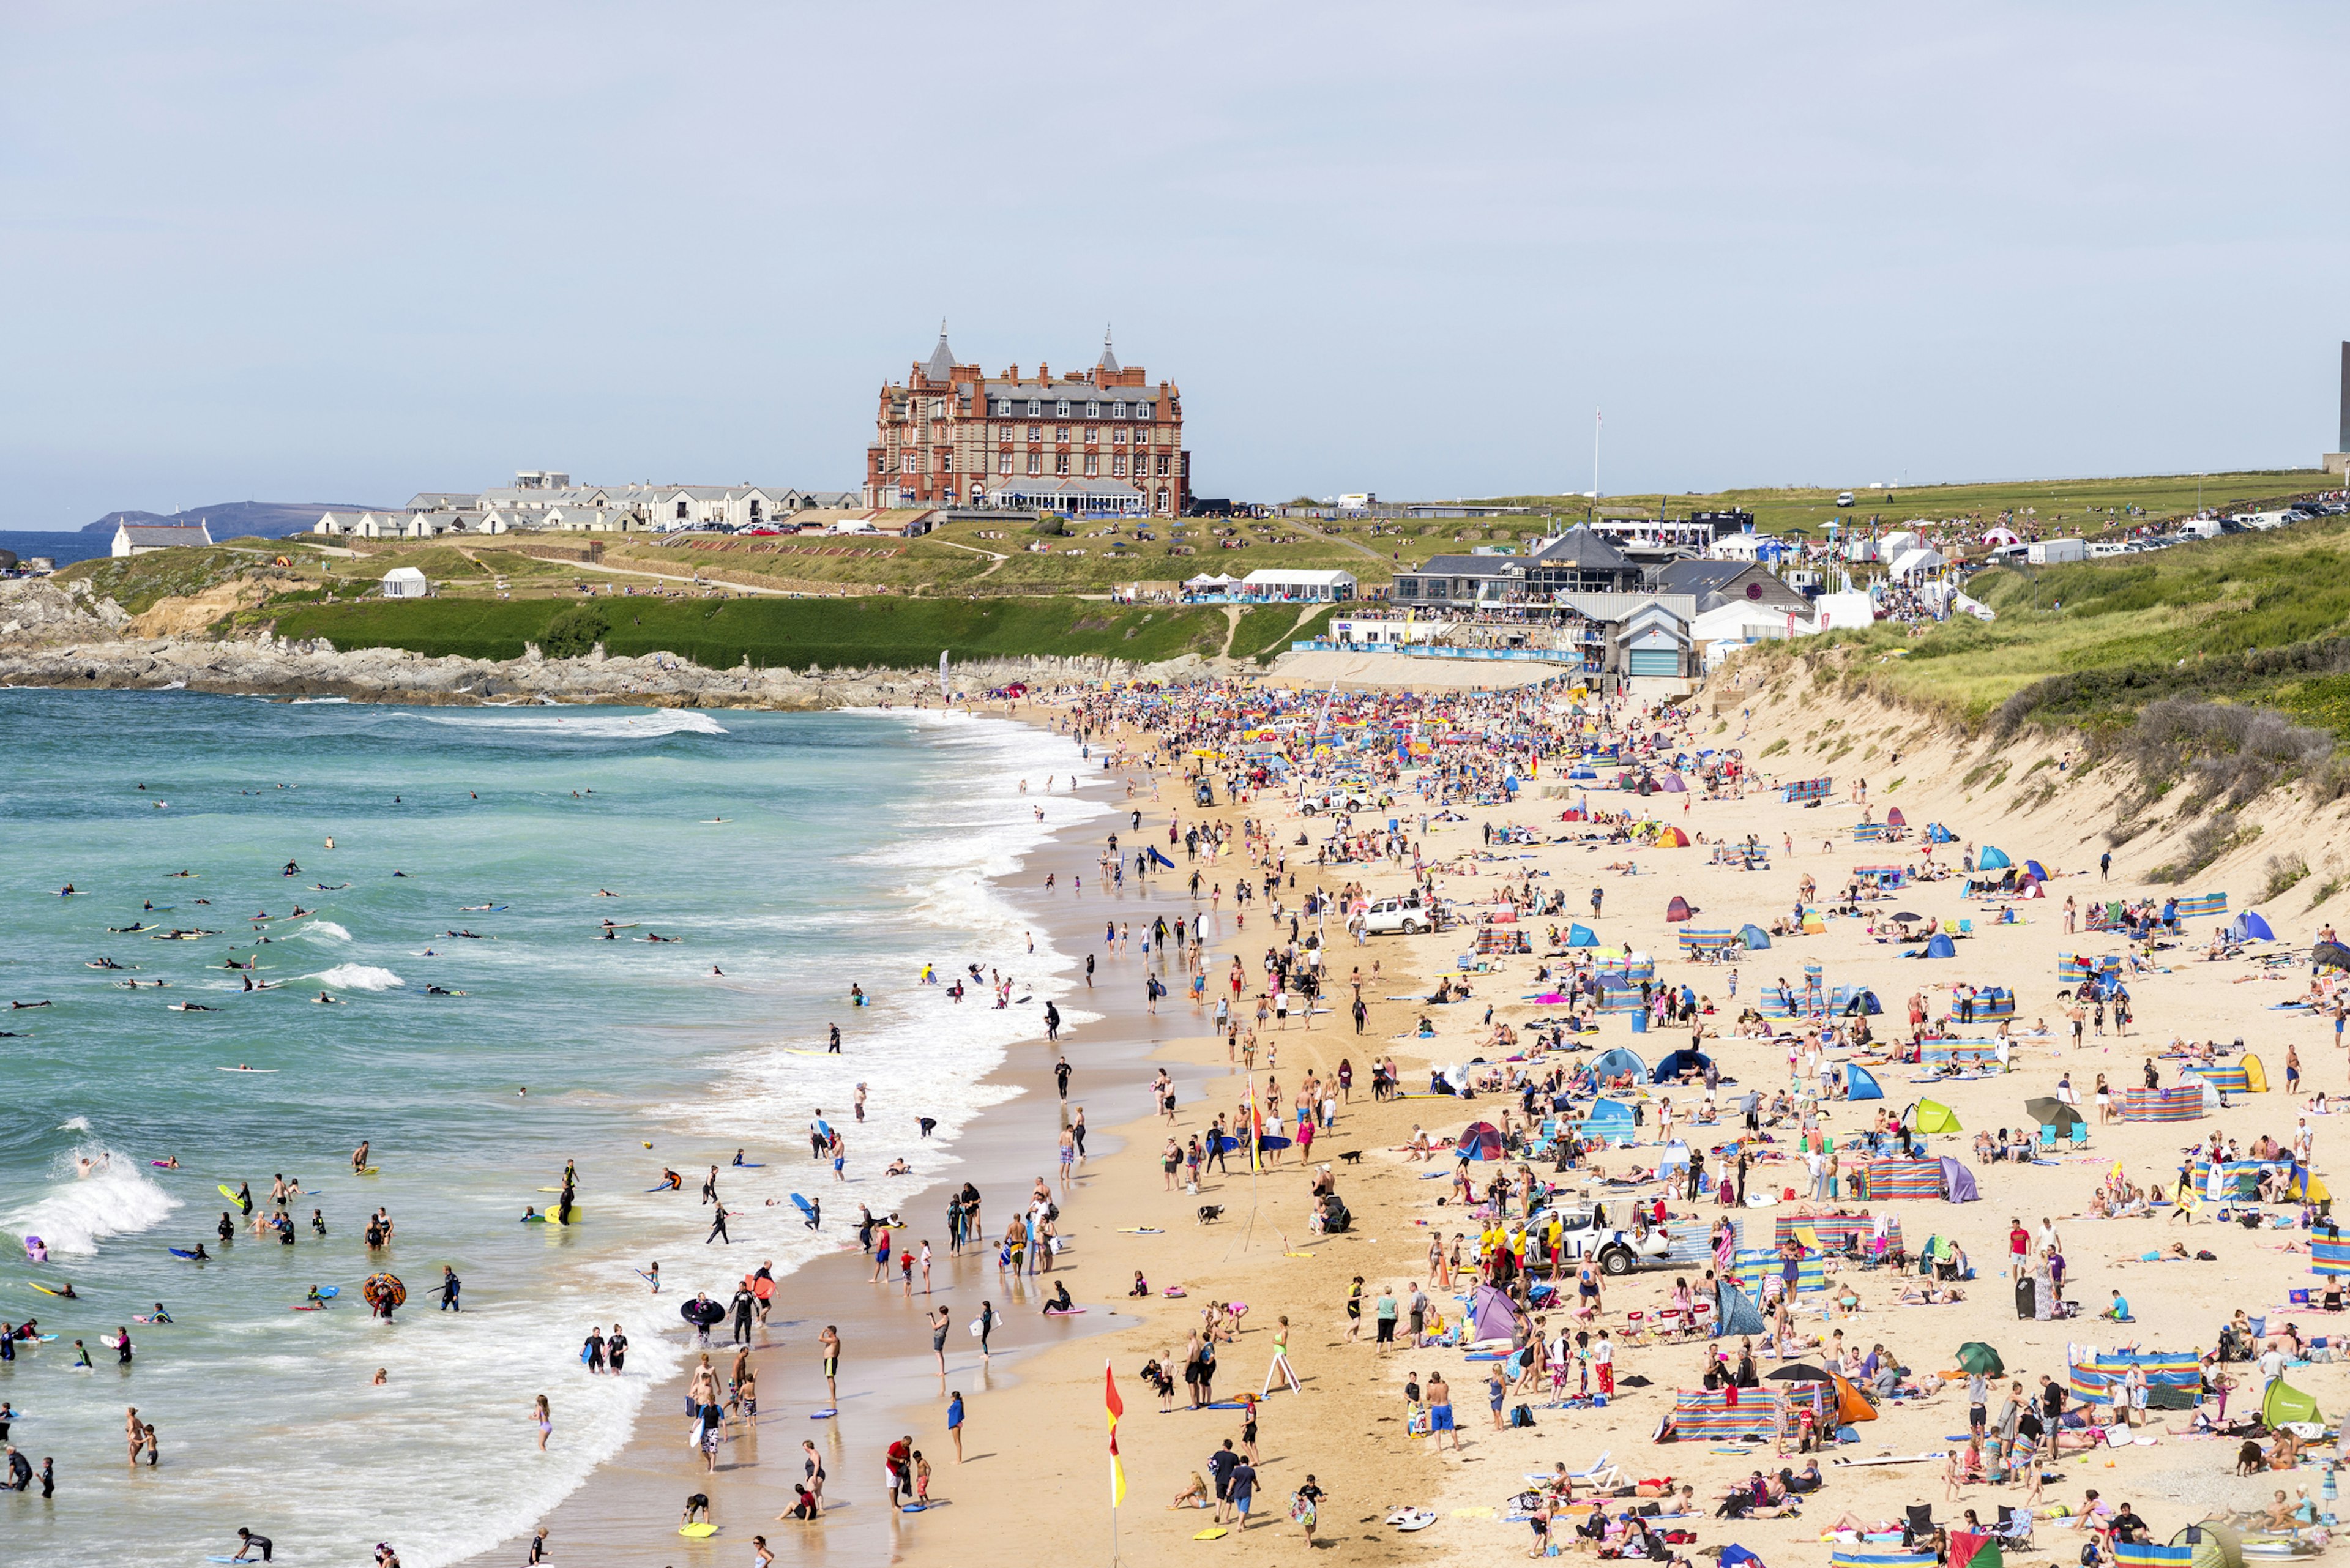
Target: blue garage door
{"x":1654,"y":661}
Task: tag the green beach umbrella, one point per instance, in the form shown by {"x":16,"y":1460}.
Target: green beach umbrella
{"x":1974,"y":1355}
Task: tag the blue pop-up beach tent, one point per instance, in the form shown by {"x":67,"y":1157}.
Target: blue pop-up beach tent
{"x":1618,"y":1061}
{"x":1755,"y":937}
{"x":1937,"y":834}
{"x":1669,"y":1070}
{"x":1940,"y":947}
{"x":1581,"y":937}
{"x":2249,"y":927}
{"x":1993,"y":858}
{"x":1861,"y":1084}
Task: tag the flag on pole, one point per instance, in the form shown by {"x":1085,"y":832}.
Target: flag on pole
{"x":1117,"y":1407}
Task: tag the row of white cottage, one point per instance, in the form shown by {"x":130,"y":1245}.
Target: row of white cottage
{"x":550,"y":501}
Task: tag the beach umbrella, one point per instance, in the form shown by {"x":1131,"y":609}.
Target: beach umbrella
{"x":1801,"y":1372}
{"x":2330,"y":955}
{"x":1974,"y":1355}
{"x":1905,"y":917}
{"x":381,"y":1290}
{"x":2051,"y":1112}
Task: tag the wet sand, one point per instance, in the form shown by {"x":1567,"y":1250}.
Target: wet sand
{"x":629,"y":1511}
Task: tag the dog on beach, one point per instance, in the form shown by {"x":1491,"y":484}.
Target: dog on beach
{"x":1210,"y":1212}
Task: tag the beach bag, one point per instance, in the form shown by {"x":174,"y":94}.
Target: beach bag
{"x":1520,"y":1415}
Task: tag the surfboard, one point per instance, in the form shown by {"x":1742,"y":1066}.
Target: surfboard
{"x":31,"y":1242}
{"x":804,"y":1206}
{"x":111,"y":1341}
{"x":913,"y":1508}
{"x":1218,"y":1533}
{"x":365,"y":1170}
{"x":226,"y":1190}
{"x":1411,"y":1518}
{"x":550,"y":1190}
{"x":45,"y":1290}
{"x":654,"y":1278}
{"x":822,"y":1414}
{"x":231,"y":1069}
{"x":553,"y":1219}
{"x":748,"y":1164}
{"x":181,"y":1252}
{"x":697,"y":1532}
{"x":147,"y":1317}
{"x":1059,"y":1312}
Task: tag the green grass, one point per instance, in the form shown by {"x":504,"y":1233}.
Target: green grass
{"x":894,"y":632}
{"x":2259,"y":618}
{"x":2086,"y":506}
{"x":137,"y":582}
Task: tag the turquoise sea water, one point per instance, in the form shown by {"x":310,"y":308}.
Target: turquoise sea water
{"x":854,"y":848}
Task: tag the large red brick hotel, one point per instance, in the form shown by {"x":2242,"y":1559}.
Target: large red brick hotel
{"x":1105,"y":440}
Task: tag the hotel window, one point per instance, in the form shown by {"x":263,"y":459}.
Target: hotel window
{"x":1117,"y":411}
{"x":946,"y":462}
{"x":909,"y":461}
{"x":1093,"y":410}
{"x":1060,"y":463}
{"x":1093,"y":465}
{"x":1036,"y":432}
{"x":1117,"y":435}
{"x":1034,"y":408}
{"x":1060,"y":432}
{"x":1003,"y":463}
{"x":1118,"y":464}
{"x":1142,"y":410}
{"x":1093,"y":435}
{"x":1062,"y":408}
{"x":1162,"y":463}
{"x":1035,"y":463}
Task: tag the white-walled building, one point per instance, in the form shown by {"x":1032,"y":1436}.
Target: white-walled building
{"x":139,"y":538}
{"x":405,"y":583}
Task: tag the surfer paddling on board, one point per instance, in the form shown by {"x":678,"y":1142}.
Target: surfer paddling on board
{"x":359,"y":1154}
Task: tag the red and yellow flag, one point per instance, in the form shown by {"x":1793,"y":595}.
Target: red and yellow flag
{"x":1116,"y":1408}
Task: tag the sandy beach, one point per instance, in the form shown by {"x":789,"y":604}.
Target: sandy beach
{"x":1036,"y":1444}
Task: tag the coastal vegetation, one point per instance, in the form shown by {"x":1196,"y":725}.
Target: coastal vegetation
{"x":773,"y":632}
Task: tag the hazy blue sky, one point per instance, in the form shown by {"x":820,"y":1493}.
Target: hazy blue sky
{"x":351,"y":251}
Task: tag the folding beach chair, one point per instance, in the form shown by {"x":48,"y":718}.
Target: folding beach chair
{"x":2080,"y":1134}
{"x":1601,"y":1476}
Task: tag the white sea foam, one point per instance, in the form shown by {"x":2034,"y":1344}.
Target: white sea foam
{"x":74,"y":1124}
{"x":324,"y":931}
{"x":316,"y":701}
{"x":78,"y":1212}
{"x":357,"y":977}
{"x":587,"y":726}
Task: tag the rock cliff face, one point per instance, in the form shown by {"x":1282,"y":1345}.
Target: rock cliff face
{"x":51,"y":638}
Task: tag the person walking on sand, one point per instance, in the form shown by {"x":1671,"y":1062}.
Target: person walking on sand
{"x":829,"y":1343}
{"x":1440,"y":1413}
{"x":940,"y":1321}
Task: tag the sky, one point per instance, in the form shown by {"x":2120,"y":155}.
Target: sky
{"x":348,"y":251}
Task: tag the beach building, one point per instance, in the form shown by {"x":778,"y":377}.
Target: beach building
{"x":1287,"y":586}
{"x":139,"y":538}
{"x":1103,"y":441}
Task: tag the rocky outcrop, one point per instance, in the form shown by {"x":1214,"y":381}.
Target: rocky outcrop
{"x":79,"y":647}
{"x":35,"y":612}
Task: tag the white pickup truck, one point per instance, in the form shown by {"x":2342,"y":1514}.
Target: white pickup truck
{"x":1388,"y":916}
{"x":1617,"y":1252}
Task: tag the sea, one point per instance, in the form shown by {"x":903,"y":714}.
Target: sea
{"x":482,"y":1034}
{"x":62,"y":548}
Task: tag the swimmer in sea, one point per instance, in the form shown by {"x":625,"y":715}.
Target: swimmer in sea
{"x":359,"y":1154}
{"x":159,"y":1315}
{"x":323,"y":999}
{"x":716,"y":970}
{"x":170,"y":1164}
